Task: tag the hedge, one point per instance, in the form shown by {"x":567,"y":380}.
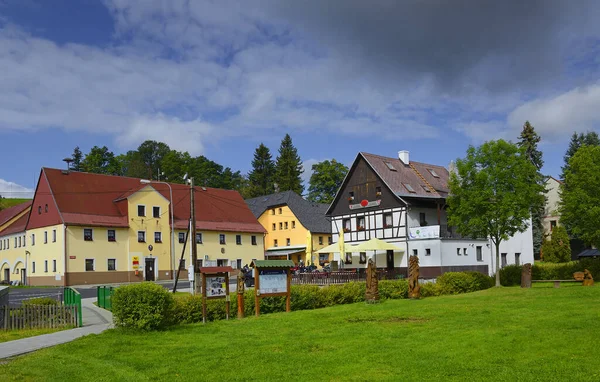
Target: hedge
{"x":40,"y":301}
{"x":511,"y":274}
{"x":144,"y":306}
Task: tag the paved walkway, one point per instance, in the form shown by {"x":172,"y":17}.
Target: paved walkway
{"x":95,"y":321}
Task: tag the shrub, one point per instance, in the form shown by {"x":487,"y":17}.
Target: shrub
{"x":40,"y":301}
{"x":430,"y":289}
{"x":144,"y":306}
{"x":463,"y":282}
{"x":558,"y":248}
{"x":393,"y":290}
{"x":511,"y":275}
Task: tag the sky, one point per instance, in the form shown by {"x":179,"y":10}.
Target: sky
{"x":218,"y":77}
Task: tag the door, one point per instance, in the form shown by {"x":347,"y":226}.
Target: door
{"x":7,"y":274}
{"x":149,"y":270}
{"x":390,"y":259}
{"x":24,"y":276}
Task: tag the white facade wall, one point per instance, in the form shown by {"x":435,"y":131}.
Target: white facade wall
{"x":520,"y":243}
{"x":431,"y":216}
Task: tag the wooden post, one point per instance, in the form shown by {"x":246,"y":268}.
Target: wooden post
{"x":287,"y":298}
{"x":256,"y":291}
{"x":203,"y":297}
{"x":227,"y":296}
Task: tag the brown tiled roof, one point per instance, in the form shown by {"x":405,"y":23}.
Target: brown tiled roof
{"x":16,"y":227}
{"x":94,"y":199}
{"x":410,"y":175}
{"x":9,"y":213}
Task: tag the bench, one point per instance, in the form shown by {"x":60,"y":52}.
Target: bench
{"x":557,"y":282}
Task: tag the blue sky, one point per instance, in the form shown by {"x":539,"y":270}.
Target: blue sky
{"x":340,"y":76}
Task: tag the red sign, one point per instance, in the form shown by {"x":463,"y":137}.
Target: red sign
{"x":364,"y":204}
{"x":72,"y":257}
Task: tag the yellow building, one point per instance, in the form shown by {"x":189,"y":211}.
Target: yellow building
{"x":296,"y":228}
{"x":95,"y":229}
{"x":13,"y":243}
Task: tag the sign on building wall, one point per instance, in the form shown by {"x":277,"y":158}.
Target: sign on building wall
{"x":272,"y":281}
{"x":135,"y":261}
{"x":216,"y":287}
{"x":365,"y":204}
{"x":430,"y":232}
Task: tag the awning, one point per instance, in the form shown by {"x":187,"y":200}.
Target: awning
{"x":283,"y":252}
{"x":377,"y":245}
{"x":591,"y":252}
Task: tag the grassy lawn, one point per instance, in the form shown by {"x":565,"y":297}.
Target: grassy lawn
{"x":5,"y":203}
{"x":12,"y":335}
{"x":501,"y":334}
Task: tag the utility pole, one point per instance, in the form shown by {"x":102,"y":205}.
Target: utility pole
{"x":193,"y":235}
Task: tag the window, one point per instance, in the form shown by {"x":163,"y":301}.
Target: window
{"x":253,"y":239}
{"x":181,"y":237}
{"x":280,"y":211}
{"x":503,"y":259}
{"x":45,"y":237}
{"x":238,"y":239}
{"x":293,"y":224}
{"x":360,"y":223}
{"x":89,"y":265}
{"x":15,"y":242}
{"x":182,"y":264}
{"x":54,"y":236}
{"x":387,"y":220}
{"x":222,"y":238}
{"x":422,"y":220}
{"x":362,"y":258}
{"x":280,"y":226}
{"x":378,"y":191}
{"x":288,"y":242}
{"x":346,"y":224}
{"x":427,"y":251}
{"x":87,"y":234}
{"x":274,"y":226}
{"x":53,"y":265}
{"x":479,"y":254}
{"x":156,"y":212}
{"x":552,"y":225}
{"x":158,"y":237}
{"x":458,"y":251}
{"x":273,"y":211}
{"x":46,"y":208}
{"x":320,"y":240}
{"x":275,"y":243}
{"x":238,"y":263}
{"x":465,"y":251}
{"x":24,"y":244}
{"x":433,"y":173}
{"x":112,"y":264}
{"x":141,"y":236}
{"x":46,"y":266}
{"x":390,"y":166}
{"x":111,"y":235}
{"x":517,"y":258}
{"x":409,"y":188}
{"x":323,"y":258}
{"x":415,"y":252}
{"x":39,"y":210}
{"x":222,"y":262}
{"x":329,"y":240}
{"x":198,"y":237}
{"x":425,"y":188}
{"x":141,"y":210}
{"x":199,"y":263}
{"x":286,"y":225}
{"x":33,"y":267}
{"x":350,"y":196}
{"x":19,"y":241}
{"x":348,"y":258}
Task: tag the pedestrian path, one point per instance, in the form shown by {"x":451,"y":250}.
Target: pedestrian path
{"x":95,"y":321}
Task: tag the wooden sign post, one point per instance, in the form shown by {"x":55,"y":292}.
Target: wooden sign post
{"x":215,"y":284}
{"x":272,"y":278}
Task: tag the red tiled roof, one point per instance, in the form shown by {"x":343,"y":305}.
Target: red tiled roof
{"x":92,"y":199}
{"x":16,"y":227}
{"x":405,"y":174}
{"x":9,"y":213}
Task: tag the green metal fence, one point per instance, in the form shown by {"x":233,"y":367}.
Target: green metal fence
{"x":104,"y":294}
{"x":72,"y":297}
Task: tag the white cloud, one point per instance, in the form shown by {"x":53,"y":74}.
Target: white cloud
{"x":307,"y":166}
{"x":13,"y":190}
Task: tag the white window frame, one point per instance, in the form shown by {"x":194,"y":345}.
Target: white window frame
{"x":45,"y":266}
{"x":32,"y":239}
{"x":92,"y":234}
{"x":107,"y":269}
{"x":54,"y":236}
{"x":108,"y":235}
{"x":138,"y":210}
{"x":138,"y":236}
{"x":159,"y":238}
{"x":236,"y":239}
{"x":54,"y":266}
{"x":93,"y":264}
{"x":159,"y":212}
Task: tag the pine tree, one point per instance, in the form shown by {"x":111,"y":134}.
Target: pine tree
{"x":528,"y":141}
{"x":577,"y":140}
{"x":261,"y":178}
{"x":288,"y":167}
{"x":77,"y":158}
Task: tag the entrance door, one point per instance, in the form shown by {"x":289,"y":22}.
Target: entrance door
{"x":7,"y":274}
{"x":24,"y":276}
{"x":390,"y":259}
{"x":149,"y":269}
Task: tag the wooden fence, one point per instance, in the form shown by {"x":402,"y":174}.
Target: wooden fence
{"x":39,"y":316}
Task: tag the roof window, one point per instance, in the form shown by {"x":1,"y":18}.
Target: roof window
{"x":409,"y":188}
{"x":425,"y":188}
{"x":390,"y":166}
{"x":432,"y":172}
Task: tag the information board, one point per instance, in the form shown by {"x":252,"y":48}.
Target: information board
{"x":272,"y":281}
{"x":215,"y":287}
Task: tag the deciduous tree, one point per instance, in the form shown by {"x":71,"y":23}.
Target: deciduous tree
{"x":101,"y":160}
{"x":492,"y":192}
{"x":288,"y":167}
{"x":325,"y":180}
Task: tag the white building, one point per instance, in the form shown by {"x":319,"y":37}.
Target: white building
{"x":404,"y":202}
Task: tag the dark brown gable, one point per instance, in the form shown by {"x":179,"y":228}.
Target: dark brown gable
{"x":364,"y":183}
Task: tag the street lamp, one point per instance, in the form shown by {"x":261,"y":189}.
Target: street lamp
{"x":146,"y":181}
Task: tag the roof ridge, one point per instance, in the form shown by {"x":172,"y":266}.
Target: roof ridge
{"x":412,"y":166}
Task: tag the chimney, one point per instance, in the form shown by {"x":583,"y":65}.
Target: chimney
{"x":403,"y":156}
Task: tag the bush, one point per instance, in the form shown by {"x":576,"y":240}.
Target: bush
{"x":430,"y":289}
{"x":40,"y":301}
{"x":511,"y":275}
{"x":144,"y":306}
{"x":558,"y":248}
{"x":463,"y":282}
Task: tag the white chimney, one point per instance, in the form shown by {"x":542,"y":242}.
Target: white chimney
{"x":403,"y":155}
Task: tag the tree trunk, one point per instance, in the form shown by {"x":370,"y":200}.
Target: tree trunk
{"x":497,"y":263}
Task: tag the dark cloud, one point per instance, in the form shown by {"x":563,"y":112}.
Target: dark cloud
{"x":461,"y":45}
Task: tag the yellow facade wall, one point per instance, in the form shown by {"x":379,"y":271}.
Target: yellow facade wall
{"x":49,"y":248}
{"x":13,"y":258}
{"x":99,"y":249}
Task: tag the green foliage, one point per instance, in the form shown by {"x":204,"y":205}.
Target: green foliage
{"x":463,"y":282}
{"x":144,"y":306}
{"x":580,"y":196}
{"x":528,"y":141}
{"x":430,"y":289}
{"x":558,"y":248}
{"x":288,"y":167}
{"x":326,"y":179}
{"x":77,"y":158}
{"x":511,"y":274}
{"x":40,"y":301}
{"x":577,"y":141}
{"x":492,"y":192}
{"x":262,"y":177}
{"x":100,"y":160}
{"x":151,"y":154}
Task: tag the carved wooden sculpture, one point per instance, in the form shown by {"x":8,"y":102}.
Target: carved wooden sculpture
{"x":588,"y":280}
{"x":526,"y":276}
{"x":414,"y":290}
{"x":372,"y":292}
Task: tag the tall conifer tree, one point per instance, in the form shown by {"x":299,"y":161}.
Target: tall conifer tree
{"x":261,"y":178}
{"x":288,"y":167}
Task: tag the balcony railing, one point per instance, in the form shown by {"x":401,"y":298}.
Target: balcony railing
{"x":438,"y":231}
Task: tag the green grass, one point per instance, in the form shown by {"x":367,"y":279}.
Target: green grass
{"x":501,"y":334}
{"x":12,"y":335}
{"x":5,"y":203}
